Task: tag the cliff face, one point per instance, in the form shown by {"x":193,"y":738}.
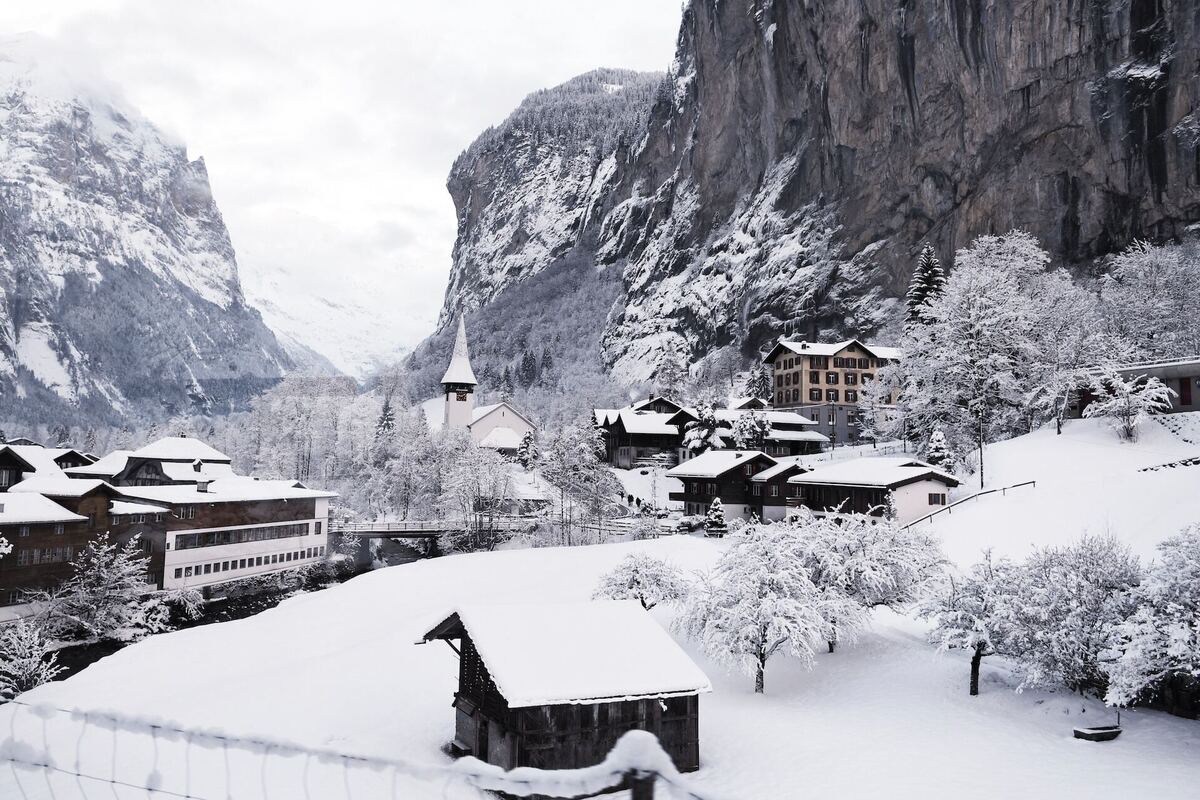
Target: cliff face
{"x":119,"y":291}
{"x":803,"y":151}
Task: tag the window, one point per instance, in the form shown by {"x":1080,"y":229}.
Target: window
{"x":186,"y":541}
{"x":711,"y":489}
{"x":23,"y":530}
{"x":937,"y":499}
{"x":864,"y":363}
{"x":6,"y":478}
{"x":819,"y":362}
{"x":187,"y":512}
{"x":814,"y":395}
{"x":317,"y":529}
{"x":224,"y":565}
{"x":179,"y":572}
{"x":831,"y":378}
{"x":241,"y":563}
{"x":756,"y":490}
{"x":59,"y":529}
{"x":774,"y":490}
{"x":852,"y":379}
{"x":831,"y":395}
{"x":779,"y":397}
{"x":207,"y":568}
{"x":258,"y":561}
{"x":787,"y":379}
{"x":187,"y":572}
{"x":322,"y":551}
{"x":158,"y":517}
{"x":814,"y":377}
{"x":275,"y":558}
{"x":851,"y":396}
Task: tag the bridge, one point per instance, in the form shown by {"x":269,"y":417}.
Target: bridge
{"x":428,"y":528}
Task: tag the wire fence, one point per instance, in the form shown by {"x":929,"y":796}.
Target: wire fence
{"x":58,"y":753}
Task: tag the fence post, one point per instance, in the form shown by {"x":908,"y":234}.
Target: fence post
{"x":641,"y":787}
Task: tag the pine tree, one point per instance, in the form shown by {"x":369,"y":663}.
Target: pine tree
{"x":527,"y":370}
{"x":527,"y":451}
{"x":670,"y":375}
{"x":714,"y":520}
{"x":547,"y":365}
{"x":758,"y":383}
{"x":90,"y":441}
{"x":928,"y":283}
{"x":751,"y":430}
{"x":938,"y":452}
{"x":504,"y":386}
{"x":700,"y":435}
{"x":386,"y":425}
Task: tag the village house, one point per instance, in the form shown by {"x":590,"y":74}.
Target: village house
{"x":908,"y":487}
{"x":791,"y":434}
{"x":720,"y":473}
{"x":823,"y":381}
{"x":554,"y":686}
{"x":498,"y":426}
{"x":770,"y":490}
{"x":170,"y":461}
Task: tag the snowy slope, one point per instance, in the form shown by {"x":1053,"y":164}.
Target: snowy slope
{"x":1087,"y":481}
{"x":888,"y":717}
{"x":119,"y":288}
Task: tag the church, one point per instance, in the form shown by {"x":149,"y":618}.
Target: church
{"x":497,"y":426}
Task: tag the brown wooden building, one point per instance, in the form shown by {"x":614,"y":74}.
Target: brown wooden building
{"x":720,"y":473}
{"x":555,"y":685}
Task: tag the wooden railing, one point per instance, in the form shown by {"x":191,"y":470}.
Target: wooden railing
{"x":430,"y":526}
{"x":947,"y":509}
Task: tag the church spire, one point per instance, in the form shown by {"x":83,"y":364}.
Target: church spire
{"x":459,"y":373}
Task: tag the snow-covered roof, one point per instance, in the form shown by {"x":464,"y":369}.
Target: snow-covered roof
{"x":715,"y":463}
{"x":127,"y":507}
{"x":501,"y":438}
{"x":605,"y":415}
{"x":740,"y":403}
{"x":40,"y":458}
{"x":638,"y":405}
{"x":59,"y":485}
{"x":482,"y":411}
{"x":226,"y":490}
{"x":22,"y":508}
{"x":647,"y":422}
{"x":178,"y":471}
{"x":108,"y":466}
{"x":179,"y":448}
{"x":583,"y":652}
{"x":731,"y":415}
{"x":460,"y":370}
{"x":782,"y":465}
{"x":883,"y":472}
{"x":833,"y":348}
{"x":781,"y":435}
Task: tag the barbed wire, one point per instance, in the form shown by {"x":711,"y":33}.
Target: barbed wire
{"x":637,"y":753}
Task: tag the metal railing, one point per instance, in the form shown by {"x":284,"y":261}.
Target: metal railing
{"x":431,"y":526}
{"x":947,"y":509}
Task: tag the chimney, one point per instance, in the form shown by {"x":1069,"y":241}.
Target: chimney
{"x":196,"y":465}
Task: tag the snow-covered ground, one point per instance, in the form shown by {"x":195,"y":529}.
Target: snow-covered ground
{"x":1088,"y":481}
{"x":886,"y":717}
{"x":647,"y":483}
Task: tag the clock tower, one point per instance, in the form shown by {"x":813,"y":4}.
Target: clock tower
{"x":459,"y":383}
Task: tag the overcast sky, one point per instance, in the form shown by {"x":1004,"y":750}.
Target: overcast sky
{"x":328,"y":127}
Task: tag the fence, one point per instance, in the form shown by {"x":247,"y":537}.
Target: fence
{"x":947,"y":509}
{"x":65,"y":754}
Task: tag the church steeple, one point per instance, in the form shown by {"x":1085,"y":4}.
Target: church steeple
{"x":459,"y":383}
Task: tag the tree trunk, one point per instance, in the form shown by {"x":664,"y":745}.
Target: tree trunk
{"x":758,"y":678}
{"x":976,"y":658}
{"x":832,"y":644}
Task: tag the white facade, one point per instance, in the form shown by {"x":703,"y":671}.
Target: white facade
{"x":458,"y":384}
{"x":912,"y":501}
{"x":197,"y":567}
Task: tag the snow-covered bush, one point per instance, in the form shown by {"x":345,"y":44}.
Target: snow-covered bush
{"x":1161,"y":639}
{"x":751,"y":430}
{"x":758,"y":602}
{"x":1127,"y":402}
{"x":938,"y":452}
{"x":972,"y":613}
{"x":700,"y":435}
{"x":26,"y":660}
{"x":477,"y":489}
{"x":644,"y":578}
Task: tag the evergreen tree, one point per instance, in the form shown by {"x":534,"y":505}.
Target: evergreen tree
{"x":928,"y":283}
{"x":61,"y":436}
{"x":751,"y":430}
{"x":527,"y":451}
{"x":527,"y":370}
{"x":758,"y":383}
{"x":671,"y":374}
{"x":714,"y":520}
{"x":547,"y":366}
{"x":386,"y":424}
{"x":700,"y":435}
{"x":504,"y":386}
{"x":90,"y":441}
{"x":938,"y":452}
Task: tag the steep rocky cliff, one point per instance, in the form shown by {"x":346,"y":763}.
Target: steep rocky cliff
{"x":119,"y":291}
{"x":801,"y":152}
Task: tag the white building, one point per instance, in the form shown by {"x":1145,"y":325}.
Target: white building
{"x":867,"y":486}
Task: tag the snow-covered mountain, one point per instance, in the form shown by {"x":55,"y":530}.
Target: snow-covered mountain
{"x":799,"y":155}
{"x":119,"y":289}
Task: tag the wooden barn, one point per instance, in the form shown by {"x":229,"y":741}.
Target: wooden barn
{"x":554,"y":686}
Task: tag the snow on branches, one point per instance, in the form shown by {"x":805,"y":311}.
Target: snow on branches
{"x":700,"y":435}
{"x":26,"y":660}
{"x":1127,"y":402}
{"x":644,"y":578}
{"x":751,"y":430}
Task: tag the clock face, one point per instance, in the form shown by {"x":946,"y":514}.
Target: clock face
{"x":461,"y":397}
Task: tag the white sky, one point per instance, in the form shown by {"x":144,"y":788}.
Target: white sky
{"x":328,"y":128}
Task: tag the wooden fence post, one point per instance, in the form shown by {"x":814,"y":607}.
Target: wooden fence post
{"x":641,"y":788}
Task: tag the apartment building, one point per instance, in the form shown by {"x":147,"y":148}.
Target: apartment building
{"x":823,"y":381}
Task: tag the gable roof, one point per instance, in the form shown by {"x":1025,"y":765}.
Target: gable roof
{"x":806,"y":348}
{"x":61,"y":486}
{"x":743,"y":403}
{"x":647,"y":422}
{"x":782,"y":466}
{"x":235,"y":489}
{"x":559,"y":653}
{"x":179,"y":448}
{"x":888,"y":473}
{"x":482,"y":411}
{"x":43,"y":460}
{"x":15,"y":453}
{"x":716,"y":463}
{"x":31,"y":507}
{"x":459,"y":371}
{"x":109,"y":466}
{"x":501,"y":437}
{"x":639,"y":405}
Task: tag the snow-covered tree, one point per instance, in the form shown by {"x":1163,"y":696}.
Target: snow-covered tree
{"x":477,"y":490}
{"x":927,"y":284}
{"x":758,"y":602}
{"x":26,"y":660}
{"x":714,"y":519}
{"x":671,"y":374}
{"x":860,"y":562}
{"x":1068,"y":600}
{"x":1161,"y":640}
{"x":758,"y":383}
{"x":1127,"y":402}
{"x":644,"y":578}
{"x":972,"y":613}
{"x":527,"y":451}
{"x":700,"y":434}
{"x":106,"y":595}
{"x":879,"y":418}
{"x":938,"y":452}
{"x":751,"y":430}
{"x":504,"y":385}
{"x":1150,"y":298}
{"x":572,"y":463}
{"x":386,"y":425}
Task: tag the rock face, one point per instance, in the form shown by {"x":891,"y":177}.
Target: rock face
{"x":119,"y":291}
{"x":800,"y":154}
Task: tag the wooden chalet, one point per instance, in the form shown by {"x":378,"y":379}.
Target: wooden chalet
{"x":720,"y":473}
{"x":792,"y":434}
{"x":770,"y":492}
{"x":909,"y":487}
{"x":554,"y":686}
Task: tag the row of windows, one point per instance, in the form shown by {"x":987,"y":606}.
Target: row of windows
{"x":793,"y":491}
{"x":815,"y":395}
{"x":188,"y":541}
{"x":831,"y":378}
{"x":249,"y":563}
{"x":29,"y":556}
{"x":22,"y":531}
{"x":134,"y":519}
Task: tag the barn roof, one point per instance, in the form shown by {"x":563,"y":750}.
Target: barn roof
{"x":29,"y":508}
{"x":884,"y":472}
{"x":715,"y":463}
{"x":585,"y":652}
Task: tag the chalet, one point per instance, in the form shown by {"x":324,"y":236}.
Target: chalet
{"x":868,"y":485}
{"x":633,"y":438}
{"x":170,"y":461}
{"x":770,"y":490}
{"x":720,"y":473}
{"x":44,"y":536}
{"x":18,"y":461}
{"x":823,"y":380}
{"x":554,"y":686}
{"x":792,"y":434}
{"x":747,"y":404}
